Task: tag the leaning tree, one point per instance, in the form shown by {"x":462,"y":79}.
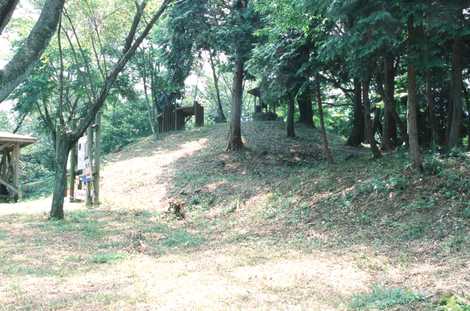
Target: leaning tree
{"x":78,"y":78}
{"x":18,"y":68}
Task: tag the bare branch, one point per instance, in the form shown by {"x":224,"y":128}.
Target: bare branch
{"x":116,"y":70}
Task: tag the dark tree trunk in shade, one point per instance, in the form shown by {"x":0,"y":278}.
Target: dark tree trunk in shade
{"x":412,"y":115}
{"x":456,"y":116}
{"x":433,"y":126}
{"x":356,"y":138}
{"x":367,"y":119}
{"x":290,"y":117}
{"x":306,"y":109}
{"x":326,"y":148}
{"x":467,"y":100}
{"x":390,"y":126}
{"x":235,"y":134}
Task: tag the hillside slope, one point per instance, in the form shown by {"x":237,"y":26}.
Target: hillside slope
{"x":187,"y":226}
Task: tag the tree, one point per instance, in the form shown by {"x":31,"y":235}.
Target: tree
{"x":326,"y":148}
{"x":456,"y":111}
{"x":306,"y":109}
{"x":220,"y":111}
{"x":22,"y":63}
{"x":356,"y":136}
{"x":235,"y":142}
{"x":415,"y":152}
{"x":69,"y":103}
{"x":240,"y":29}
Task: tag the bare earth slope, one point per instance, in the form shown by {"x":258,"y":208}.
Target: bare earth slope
{"x":270,"y":228}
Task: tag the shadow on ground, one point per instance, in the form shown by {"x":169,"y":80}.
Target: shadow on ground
{"x":272,"y":227}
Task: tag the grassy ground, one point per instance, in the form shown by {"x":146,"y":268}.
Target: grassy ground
{"x":270,"y":228}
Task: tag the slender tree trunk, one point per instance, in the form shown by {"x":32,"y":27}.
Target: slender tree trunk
{"x":306,"y":109}
{"x":467,"y":100}
{"x":412,"y":117}
{"x":73,"y":170}
{"x":430,"y":105}
{"x":367,"y":120}
{"x":97,"y":160}
{"x":456,"y":117}
{"x":390,"y":126}
{"x":89,"y":188}
{"x":220,"y":111}
{"x":357,"y":133}
{"x":62,"y":150}
{"x":150,"y":108}
{"x":235,"y":134}
{"x":326,"y":148}
{"x":290,"y":117}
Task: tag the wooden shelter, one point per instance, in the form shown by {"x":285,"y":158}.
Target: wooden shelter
{"x":10,"y":146}
{"x":174,"y":118}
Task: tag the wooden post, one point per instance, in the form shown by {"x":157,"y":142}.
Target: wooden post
{"x":89,"y":169}
{"x":72,"y":173}
{"x":199,"y":114}
{"x":175,"y":120}
{"x":15,"y":171}
{"x":97,"y":152}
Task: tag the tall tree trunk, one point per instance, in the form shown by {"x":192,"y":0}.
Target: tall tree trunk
{"x":220,"y":111}
{"x":62,"y":150}
{"x":434,"y":135}
{"x":97,"y":160}
{"x":456,"y":117}
{"x":306,"y":109}
{"x":412,"y":116}
{"x":235,"y":134}
{"x":290,"y":117}
{"x":73,"y":172}
{"x":326,"y":148}
{"x":89,"y":186}
{"x":150,"y":107}
{"x":390,"y":126}
{"x":357,"y":133}
{"x":467,"y":100}
{"x":367,"y":120}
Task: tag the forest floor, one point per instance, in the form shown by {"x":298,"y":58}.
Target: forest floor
{"x":271,"y":228}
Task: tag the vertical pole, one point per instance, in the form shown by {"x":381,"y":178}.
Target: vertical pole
{"x":89,"y":168}
{"x":72,"y":174}
{"x":96,"y":172}
{"x":15,"y":167}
